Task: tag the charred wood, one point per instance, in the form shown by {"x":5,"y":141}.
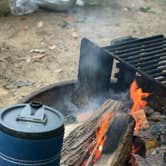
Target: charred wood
{"x":78,"y":142}
{"x":117,"y":149}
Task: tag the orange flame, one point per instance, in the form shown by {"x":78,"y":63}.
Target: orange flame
{"x":101,"y":135}
{"x":137,"y":95}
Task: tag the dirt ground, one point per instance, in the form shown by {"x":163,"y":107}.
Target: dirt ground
{"x":43,"y":48}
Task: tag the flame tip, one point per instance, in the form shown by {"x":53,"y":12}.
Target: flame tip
{"x":138,"y":96}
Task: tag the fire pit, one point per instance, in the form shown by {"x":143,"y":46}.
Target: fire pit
{"x":121,"y":122}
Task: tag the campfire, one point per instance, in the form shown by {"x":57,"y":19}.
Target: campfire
{"x":111,"y":135}
{"x":117,"y":104}
{"x":108,"y":136}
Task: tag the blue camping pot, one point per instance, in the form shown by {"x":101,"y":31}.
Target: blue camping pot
{"x":30,"y":135}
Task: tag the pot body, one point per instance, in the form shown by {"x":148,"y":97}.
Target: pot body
{"x":26,"y":152}
{"x":31,"y":135}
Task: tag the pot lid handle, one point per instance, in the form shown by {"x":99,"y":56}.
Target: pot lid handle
{"x":33,"y":112}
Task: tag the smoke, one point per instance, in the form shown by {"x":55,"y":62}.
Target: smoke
{"x":73,"y":111}
{"x":94,"y":85}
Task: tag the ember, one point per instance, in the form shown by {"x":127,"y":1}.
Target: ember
{"x":137,"y":95}
{"x":138,"y":146}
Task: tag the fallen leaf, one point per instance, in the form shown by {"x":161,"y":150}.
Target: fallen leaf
{"x":25,"y":28}
{"x":70,"y":18}
{"x":126,"y":9}
{"x":40,"y":24}
{"x":70,"y":45}
{"x":58,"y":71}
{"x":38,"y":56}
{"x":28,"y":59}
{"x":3,"y":91}
{"x":75,"y":35}
{"x":145,"y":9}
{"x":51,"y":47}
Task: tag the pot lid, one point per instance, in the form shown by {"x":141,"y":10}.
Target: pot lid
{"x":32,"y":120}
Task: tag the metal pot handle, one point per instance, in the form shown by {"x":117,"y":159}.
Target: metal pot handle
{"x":33,"y":112}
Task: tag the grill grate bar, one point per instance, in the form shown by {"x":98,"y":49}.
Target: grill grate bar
{"x":156,"y":70}
{"x":142,"y":60}
{"x":155,"y":75}
{"x":143,"y":52}
{"x":136,"y":42}
{"x":163,"y":63}
{"x":147,"y":56}
{"x":148,"y":63}
{"x":161,"y":79}
{"x":164,"y":82}
{"x":157,"y":45}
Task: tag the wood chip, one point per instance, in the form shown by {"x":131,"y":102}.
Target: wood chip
{"x":3,"y":91}
{"x":58,"y":71}
{"x":51,"y":47}
{"x":25,"y":28}
{"x":75,"y":35}
{"x":38,"y":56}
{"x":40,"y":24}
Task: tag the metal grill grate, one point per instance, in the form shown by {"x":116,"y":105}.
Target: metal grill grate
{"x":147,"y":56}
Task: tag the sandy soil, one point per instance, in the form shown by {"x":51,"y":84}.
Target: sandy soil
{"x":58,"y":36}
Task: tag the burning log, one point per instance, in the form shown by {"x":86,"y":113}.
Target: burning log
{"x":117,"y":149}
{"x":82,"y":145}
{"x":78,"y":143}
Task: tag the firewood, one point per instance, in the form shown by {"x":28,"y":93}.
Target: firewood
{"x":79,"y":140}
{"x":121,"y":153}
{"x":90,"y":160}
